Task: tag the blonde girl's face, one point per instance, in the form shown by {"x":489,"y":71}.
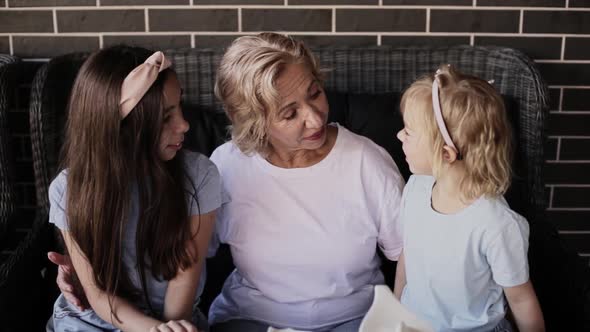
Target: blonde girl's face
{"x":415,"y":144}
{"x":174,"y":126}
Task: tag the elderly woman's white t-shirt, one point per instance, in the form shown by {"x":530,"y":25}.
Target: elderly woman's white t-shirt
{"x":304,"y":240}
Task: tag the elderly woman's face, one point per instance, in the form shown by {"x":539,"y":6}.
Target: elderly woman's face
{"x":300,"y":121}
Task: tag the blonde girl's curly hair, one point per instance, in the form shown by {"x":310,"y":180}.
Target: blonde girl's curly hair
{"x":245,"y":84}
{"x":477,"y":122}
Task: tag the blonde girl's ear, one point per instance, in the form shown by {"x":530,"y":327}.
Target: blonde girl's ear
{"x":449,"y":154}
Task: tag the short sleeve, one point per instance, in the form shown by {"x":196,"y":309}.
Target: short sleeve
{"x":204,"y":180}
{"x":57,"y":201}
{"x":507,"y":253}
{"x":390,"y":238}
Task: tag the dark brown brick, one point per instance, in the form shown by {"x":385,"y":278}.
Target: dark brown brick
{"x":205,"y":41}
{"x":535,"y":47}
{"x":522,"y":3}
{"x":47,"y":47}
{"x":333,"y":2}
{"x":433,"y":41}
{"x":577,"y":242}
{"x":571,"y":197}
{"x":567,"y":173}
{"x":103,"y":20}
{"x":565,"y":73}
{"x":239,"y":2}
{"x":577,"y":48}
{"x":318,"y":41}
{"x":569,"y":220}
{"x":554,"y":99}
{"x":474,"y":20}
{"x":193,"y":19}
{"x":4,"y":45}
{"x":153,"y":42}
{"x":575,"y":149}
{"x":429,"y":2}
{"x":556,"y":21}
{"x":547,"y":193}
{"x":26,"y":21}
{"x":50,"y":3}
{"x":551,"y":149}
{"x":579,"y":3}
{"x":565,"y":124}
{"x":143,"y":2}
{"x":576,"y":100}
{"x":352,"y":20}
{"x":286,"y":19}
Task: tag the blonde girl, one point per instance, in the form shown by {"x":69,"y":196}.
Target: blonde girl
{"x":465,"y":250}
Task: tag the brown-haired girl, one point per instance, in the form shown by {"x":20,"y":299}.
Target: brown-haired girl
{"x":136,"y":212}
{"x":465,"y":250}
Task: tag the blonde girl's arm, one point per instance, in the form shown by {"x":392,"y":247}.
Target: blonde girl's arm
{"x":182,"y":289}
{"x":400,"y":277}
{"x":525,"y":307}
{"x":131,"y":319}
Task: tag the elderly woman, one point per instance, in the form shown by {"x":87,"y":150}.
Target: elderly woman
{"x":307,"y":203}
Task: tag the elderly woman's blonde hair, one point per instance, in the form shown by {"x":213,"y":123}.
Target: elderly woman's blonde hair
{"x":246,"y":79}
{"x":477,"y":122}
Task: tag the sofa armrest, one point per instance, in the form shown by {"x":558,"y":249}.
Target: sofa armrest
{"x":24,"y":286}
{"x":560,"y":278}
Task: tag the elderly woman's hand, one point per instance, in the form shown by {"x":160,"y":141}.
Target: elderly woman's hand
{"x":67,"y":281}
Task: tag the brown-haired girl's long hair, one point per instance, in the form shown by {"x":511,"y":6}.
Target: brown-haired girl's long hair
{"x":108,"y":160}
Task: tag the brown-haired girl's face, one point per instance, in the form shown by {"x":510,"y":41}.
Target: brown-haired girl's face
{"x":174,"y":126}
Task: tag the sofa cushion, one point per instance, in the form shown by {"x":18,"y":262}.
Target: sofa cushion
{"x":375,"y":116}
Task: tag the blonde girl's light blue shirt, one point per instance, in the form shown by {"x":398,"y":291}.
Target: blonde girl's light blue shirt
{"x":456,"y":265}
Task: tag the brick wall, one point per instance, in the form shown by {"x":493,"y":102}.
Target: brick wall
{"x":556,"y":33}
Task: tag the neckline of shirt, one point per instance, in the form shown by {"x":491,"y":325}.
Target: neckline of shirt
{"x":302,"y":171}
{"x":463,"y":211}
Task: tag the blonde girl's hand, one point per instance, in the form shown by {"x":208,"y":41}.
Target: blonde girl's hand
{"x":175,"y":326}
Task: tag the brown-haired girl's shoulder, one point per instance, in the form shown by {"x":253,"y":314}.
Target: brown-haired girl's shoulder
{"x":57,"y":200}
{"x":198,"y":166}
